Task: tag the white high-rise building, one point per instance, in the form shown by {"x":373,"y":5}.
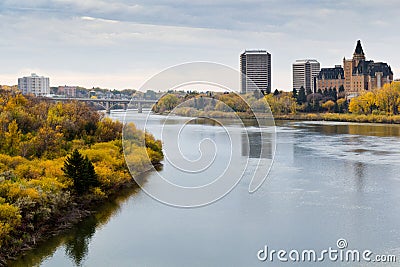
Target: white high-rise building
{"x":34,"y":84}
{"x":305,"y":72}
{"x":255,"y":65}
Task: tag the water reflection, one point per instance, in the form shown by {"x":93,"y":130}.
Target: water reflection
{"x":255,"y":146}
{"x":204,"y":121}
{"x":76,"y":240}
{"x":256,"y":123}
{"x":359,"y":169}
{"x":367,"y":129}
{"x":76,"y":246}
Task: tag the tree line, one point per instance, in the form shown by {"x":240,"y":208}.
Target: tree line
{"x":383,"y":101}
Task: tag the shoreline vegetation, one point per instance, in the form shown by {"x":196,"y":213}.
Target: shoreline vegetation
{"x":378,"y":106}
{"x":356,"y":118}
{"x":58,"y":162}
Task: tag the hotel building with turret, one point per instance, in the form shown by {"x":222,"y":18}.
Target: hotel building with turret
{"x":356,"y":75}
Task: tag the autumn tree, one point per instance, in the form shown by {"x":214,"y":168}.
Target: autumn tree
{"x":385,"y":100}
{"x":388,"y":98}
{"x":12,"y":138}
{"x":328,"y":105}
{"x":167,"y":102}
{"x":108,"y":130}
{"x":282,"y":104}
{"x":235,"y":102}
{"x":48,"y":142}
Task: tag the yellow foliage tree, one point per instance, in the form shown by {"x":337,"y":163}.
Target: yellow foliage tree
{"x":12,"y":138}
{"x":328,"y":105}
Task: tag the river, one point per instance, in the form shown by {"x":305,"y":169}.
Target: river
{"x":328,"y":181}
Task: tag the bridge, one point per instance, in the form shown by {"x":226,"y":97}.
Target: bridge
{"x":107,"y":104}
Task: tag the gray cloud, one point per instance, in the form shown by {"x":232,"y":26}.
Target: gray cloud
{"x":109,"y":38}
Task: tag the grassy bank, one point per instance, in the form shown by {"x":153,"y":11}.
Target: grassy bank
{"x":393,"y":119}
{"x":340,"y":117}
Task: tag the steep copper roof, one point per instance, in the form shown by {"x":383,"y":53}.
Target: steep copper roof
{"x":331,"y":73}
{"x":370,"y":68}
{"x":359,"y":50}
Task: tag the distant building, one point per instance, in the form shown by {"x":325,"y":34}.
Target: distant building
{"x":330,"y":78}
{"x":34,"y":84}
{"x":255,"y":65}
{"x":361,"y":74}
{"x":305,"y":72}
{"x":357,"y":74}
{"x":68,"y":91}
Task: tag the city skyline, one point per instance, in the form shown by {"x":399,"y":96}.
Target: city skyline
{"x":121,"y":45}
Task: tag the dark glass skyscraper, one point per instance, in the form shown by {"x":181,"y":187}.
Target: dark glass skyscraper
{"x":256,"y":66}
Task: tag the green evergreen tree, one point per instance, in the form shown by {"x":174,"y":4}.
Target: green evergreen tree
{"x":336,"y":108}
{"x":201,"y":103}
{"x":276,"y":92}
{"x":317,"y":106}
{"x":330,"y":92}
{"x":81,"y":170}
{"x":335,"y":94}
{"x":308,"y":107}
{"x":195,"y":103}
{"x":213,"y":102}
{"x":90,"y":174}
{"x":295,"y":93}
{"x":302,"y":98}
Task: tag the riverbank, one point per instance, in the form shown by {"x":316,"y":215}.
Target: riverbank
{"x":339,"y":117}
{"x":58,"y":161}
{"x":80,"y":210}
{"x":395,"y":119}
{"x":59,"y":208}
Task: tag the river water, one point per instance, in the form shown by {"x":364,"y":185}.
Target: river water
{"x":329,"y":181}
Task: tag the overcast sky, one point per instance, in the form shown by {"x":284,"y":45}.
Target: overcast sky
{"x":119,"y":44}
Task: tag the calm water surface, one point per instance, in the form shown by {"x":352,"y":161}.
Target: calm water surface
{"x":328,"y":181}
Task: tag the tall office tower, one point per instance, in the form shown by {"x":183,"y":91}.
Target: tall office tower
{"x":34,"y":84}
{"x":255,"y":65}
{"x":305,"y":72}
